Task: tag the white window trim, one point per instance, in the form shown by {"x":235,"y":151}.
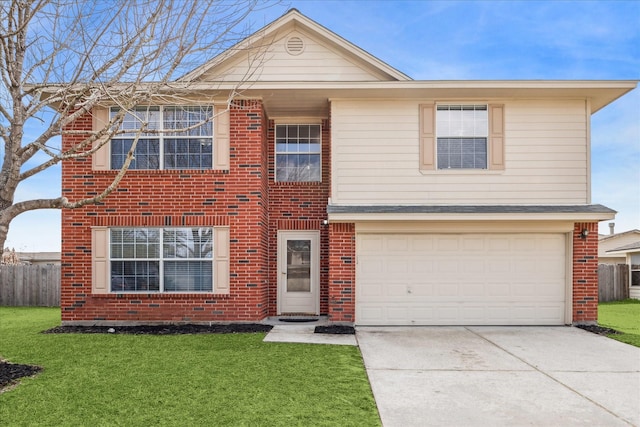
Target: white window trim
{"x":486,"y":136}
{"x":101,"y":262}
{"x":161,"y":136}
{"x":276,"y":153}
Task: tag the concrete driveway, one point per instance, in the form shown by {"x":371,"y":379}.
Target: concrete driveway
{"x":510,"y":376}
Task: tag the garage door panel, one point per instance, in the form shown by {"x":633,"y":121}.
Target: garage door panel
{"x":455,"y":279}
{"x":448,"y":244}
{"x":471,"y":289}
{"x":421,"y":243}
{"x":460,"y":313}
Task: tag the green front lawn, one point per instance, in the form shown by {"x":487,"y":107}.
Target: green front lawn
{"x":623,"y":316}
{"x":177,"y":380}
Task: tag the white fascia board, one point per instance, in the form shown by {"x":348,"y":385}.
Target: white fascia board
{"x":575,"y":217}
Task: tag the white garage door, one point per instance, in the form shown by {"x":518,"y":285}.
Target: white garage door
{"x":460,"y":279}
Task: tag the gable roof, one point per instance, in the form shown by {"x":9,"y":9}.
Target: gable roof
{"x":631,"y":247}
{"x":258,"y":48}
{"x":619,"y":235}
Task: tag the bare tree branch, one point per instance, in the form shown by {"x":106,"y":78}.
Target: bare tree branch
{"x":60,"y":60}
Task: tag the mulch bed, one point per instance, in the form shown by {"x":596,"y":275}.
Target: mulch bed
{"x":231,"y":328}
{"x":600,"y":330}
{"x":11,"y":372}
{"x":335,"y":329}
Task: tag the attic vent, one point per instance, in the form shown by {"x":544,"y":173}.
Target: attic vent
{"x":294,"y":45}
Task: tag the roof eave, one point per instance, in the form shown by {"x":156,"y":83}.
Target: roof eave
{"x":587,"y":213}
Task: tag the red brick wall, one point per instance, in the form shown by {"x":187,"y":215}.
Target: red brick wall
{"x":237,"y":198}
{"x":299,"y":206}
{"x":342,"y":269}
{"x":585,"y":273}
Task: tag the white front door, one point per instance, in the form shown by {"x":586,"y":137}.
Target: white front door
{"x":298,"y":272}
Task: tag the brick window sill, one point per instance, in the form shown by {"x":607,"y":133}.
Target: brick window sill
{"x":297,"y":184}
{"x":161,"y":296}
{"x":164,"y":172}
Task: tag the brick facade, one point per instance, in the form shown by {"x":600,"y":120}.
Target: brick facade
{"x":299,"y":206}
{"x":342,"y":272}
{"x":585,"y":273}
{"x":255,"y":207}
{"x":237,"y":198}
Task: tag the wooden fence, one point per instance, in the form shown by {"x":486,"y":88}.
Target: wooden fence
{"x":613,"y":282}
{"x":39,"y":285}
{"x":30,"y":285}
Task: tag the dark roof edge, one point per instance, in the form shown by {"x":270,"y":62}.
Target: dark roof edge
{"x":630,"y":247}
{"x":470,"y":209}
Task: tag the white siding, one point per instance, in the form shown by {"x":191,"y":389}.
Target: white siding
{"x":316,"y":63}
{"x":375,"y":157}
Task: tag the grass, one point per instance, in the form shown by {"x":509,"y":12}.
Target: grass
{"x":623,"y":316}
{"x":235,"y":379}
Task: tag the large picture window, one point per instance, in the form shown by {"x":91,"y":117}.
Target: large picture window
{"x":175,"y":137}
{"x":462,"y":132}
{"x":298,"y":152}
{"x":161,"y":259}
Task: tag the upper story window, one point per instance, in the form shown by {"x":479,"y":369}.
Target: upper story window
{"x":462,"y":132}
{"x":298,"y":153}
{"x":161,"y":259}
{"x":174,"y":137}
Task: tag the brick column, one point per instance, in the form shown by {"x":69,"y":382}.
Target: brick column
{"x":585,"y":273}
{"x":342,"y":272}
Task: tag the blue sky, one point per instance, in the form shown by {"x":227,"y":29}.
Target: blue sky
{"x":471,"y":40}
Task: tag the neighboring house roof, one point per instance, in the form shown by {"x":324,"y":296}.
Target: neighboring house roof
{"x":618,"y":235}
{"x":39,"y":257}
{"x":631,"y":247}
{"x":608,"y":244}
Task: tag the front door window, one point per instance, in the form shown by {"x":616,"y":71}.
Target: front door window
{"x":298,"y":265}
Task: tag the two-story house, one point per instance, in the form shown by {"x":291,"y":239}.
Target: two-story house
{"x":334,"y":184}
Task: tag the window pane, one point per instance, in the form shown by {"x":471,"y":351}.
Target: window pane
{"x":191,"y":153}
{"x":461,"y":121}
{"x":188,"y":243}
{"x":635,"y":278}
{"x":462,"y":153}
{"x":190,"y":121}
{"x":462,"y":136}
{"x":188,"y":276}
{"x":146,"y":154}
{"x":298,"y":265}
{"x":134,"y":276}
{"x":194,"y":121}
{"x":298,"y":150}
{"x":136,"y":243}
{"x":138,"y":118}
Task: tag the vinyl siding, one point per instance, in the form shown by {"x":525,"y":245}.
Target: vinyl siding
{"x":316,"y":63}
{"x":376,"y":149}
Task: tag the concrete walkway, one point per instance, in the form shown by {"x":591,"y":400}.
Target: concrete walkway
{"x":303,"y":333}
{"x":500,"y":376}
